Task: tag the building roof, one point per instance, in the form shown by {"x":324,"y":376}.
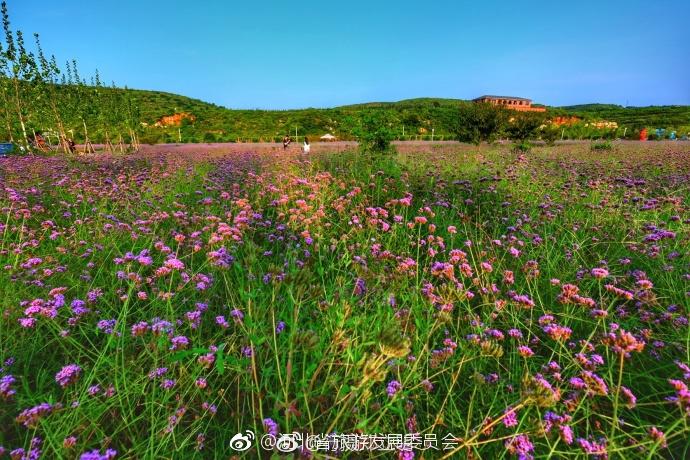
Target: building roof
{"x":486,"y":96}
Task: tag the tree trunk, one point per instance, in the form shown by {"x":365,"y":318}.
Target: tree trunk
{"x":109,"y":145}
{"x":88,"y":146}
{"x":62,"y":135}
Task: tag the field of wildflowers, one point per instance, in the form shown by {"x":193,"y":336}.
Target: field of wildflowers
{"x":513,"y":305}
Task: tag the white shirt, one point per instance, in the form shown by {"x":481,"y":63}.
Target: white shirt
{"x":306,"y":148}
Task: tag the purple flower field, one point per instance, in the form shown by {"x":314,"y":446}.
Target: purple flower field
{"x":508,"y":305}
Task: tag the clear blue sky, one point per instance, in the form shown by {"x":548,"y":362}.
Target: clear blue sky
{"x":280,"y":54}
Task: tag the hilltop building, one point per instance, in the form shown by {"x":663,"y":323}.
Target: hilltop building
{"x":514,"y":103}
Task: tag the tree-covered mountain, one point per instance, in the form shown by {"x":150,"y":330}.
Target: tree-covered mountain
{"x":666,"y":116}
{"x":411,"y":118}
{"x":415,"y":117}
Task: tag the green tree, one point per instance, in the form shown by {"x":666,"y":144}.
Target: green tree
{"x":478,"y":123}
{"x":523,"y":126}
{"x":375,"y":130}
{"x":5,"y":110}
{"x":21,"y":69}
{"x":550,"y":134}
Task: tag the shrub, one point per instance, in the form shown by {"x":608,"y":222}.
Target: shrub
{"x":478,"y":123}
{"x":374,"y":131}
{"x":605,"y":145}
{"x":522,"y":147}
{"x":523,"y":126}
{"x":550,"y":134}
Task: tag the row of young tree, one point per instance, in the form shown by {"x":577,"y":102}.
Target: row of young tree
{"x":46,"y":107}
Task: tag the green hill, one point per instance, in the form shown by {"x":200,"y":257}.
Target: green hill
{"x":412,"y":118}
{"x":215,"y":123}
{"x":418,"y":116}
{"x":666,"y":116}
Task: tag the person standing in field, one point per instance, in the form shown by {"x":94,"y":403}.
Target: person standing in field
{"x":286,"y":142}
{"x":306,"y":147}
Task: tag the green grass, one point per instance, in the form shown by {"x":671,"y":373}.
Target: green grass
{"x":565,"y":209}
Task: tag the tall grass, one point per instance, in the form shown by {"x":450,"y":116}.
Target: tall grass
{"x":427,"y":294}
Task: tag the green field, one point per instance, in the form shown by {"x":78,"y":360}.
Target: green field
{"x":509,"y":305}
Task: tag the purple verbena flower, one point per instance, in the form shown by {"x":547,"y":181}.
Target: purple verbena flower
{"x":393,"y":387}
{"x":68,"y":375}
{"x":179,"y":342}
{"x":96,"y":455}
{"x":510,"y":418}
{"x":271,"y":427}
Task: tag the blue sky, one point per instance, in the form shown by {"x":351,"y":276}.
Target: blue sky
{"x":279,"y":54}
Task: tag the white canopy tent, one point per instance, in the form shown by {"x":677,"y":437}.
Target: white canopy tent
{"x":328,"y":137}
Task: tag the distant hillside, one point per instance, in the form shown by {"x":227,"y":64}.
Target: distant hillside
{"x":417,"y":116}
{"x":666,"y":116}
{"x":201,"y":121}
{"x":215,"y":123}
{"x":420,"y":102}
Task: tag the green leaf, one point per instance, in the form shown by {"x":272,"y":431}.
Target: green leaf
{"x":220,"y":364}
{"x":220,"y":359}
{"x":180,"y":355}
